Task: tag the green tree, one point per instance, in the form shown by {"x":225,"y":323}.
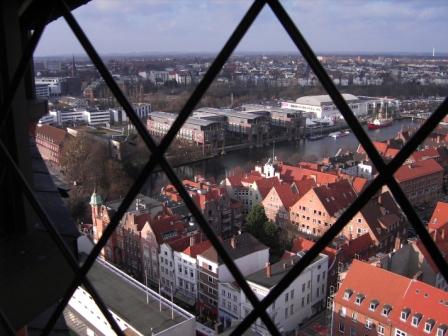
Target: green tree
{"x":270,"y":234}
{"x":256,"y":220}
{"x":258,"y":224}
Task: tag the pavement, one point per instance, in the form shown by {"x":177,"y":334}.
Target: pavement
{"x":320,"y":324}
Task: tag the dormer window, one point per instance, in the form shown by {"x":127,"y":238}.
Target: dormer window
{"x":416,"y":319}
{"x":373,"y":305}
{"x":347,"y":294}
{"x":429,"y":325}
{"x":359,"y":298}
{"x":405,"y":314}
{"x":386,"y":310}
{"x":441,"y":330}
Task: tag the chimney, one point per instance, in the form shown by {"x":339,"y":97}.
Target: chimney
{"x":192,"y":240}
{"x":268,"y":270}
{"x":233,"y":242}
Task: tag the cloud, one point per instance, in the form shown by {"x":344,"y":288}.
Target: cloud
{"x":201,"y":25}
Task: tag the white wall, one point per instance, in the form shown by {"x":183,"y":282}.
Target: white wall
{"x":248,"y":264}
{"x":184,"y":261}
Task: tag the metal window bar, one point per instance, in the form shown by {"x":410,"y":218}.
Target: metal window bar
{"x":158,"y":158}
{"x":26,"y":188}
{"x":385,"y":176}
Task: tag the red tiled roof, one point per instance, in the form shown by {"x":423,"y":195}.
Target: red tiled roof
{"x":440,"y":237}
{"x":252,"y":177}
{"x":182,"y":243}
{"x":335,"y":196}
{"x":290,"y":174}
{"x":141,"y":220}
{"x":197,"y":248}
{"x":164,"y":224}
{"x":439,"y":217}
{"x":429,"y":153}
{"x":235,"y":181}
{"x":305,"y":185}
{"x":265,"y":185}
{"x":357,"y":246}
{"x":397,"y":291}
{"x":383,"y":149}
{"x":417,"y":169}
{"x":381,"y":214}
{"x":284,"y":192}
{"x":359,"y":183}
{"x":56,"y":135}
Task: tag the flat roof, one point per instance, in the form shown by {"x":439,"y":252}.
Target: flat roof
{"x":190,"y":120}
{"x":323,"y":99}
{"x":127,"y":299}
{"x":278,"y":271}
{"x":229,"y":113}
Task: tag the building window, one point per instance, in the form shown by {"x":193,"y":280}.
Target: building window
{"x":380,"y":330}
{"x":442,"y":330}
{"x":286,"y":297}
{"x":292,"y":294}
{"x":359,"y":298}
{"x":398,"y":332}
{"x":428,"y":325}
{"x":341,"y":327}
{"x":416,"y":319}
{"x":368,"y":324}
{"x":303,"y":288}
{"x":352,"y":331}
{"x":355,"y":317}
{"x":286,"y":313}
{"x":373,"y":305}
{"x":291,"y":309}
{"x":347,"y":294}
{"x":405,"y":314}
{"x":386,"y":310}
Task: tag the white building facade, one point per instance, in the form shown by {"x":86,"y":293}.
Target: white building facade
{"x":323,"y":107}
{"x":166,"y":269}
{"x":186,"y":276}
{"x":300,"y":301}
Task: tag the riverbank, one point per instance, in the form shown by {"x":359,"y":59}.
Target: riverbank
{"x":218,"y":167}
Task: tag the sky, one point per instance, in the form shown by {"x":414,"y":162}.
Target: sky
{"x":330,"y":26}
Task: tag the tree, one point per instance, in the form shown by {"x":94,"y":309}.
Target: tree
{"x":255,"y":221}
{"x":271,"y":234}
{"x":85,"y":161}
{"x":261,"y":227}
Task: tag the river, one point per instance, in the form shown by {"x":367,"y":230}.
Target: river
{"x":292,"y":152}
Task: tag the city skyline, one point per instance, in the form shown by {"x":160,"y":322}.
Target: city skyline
{"x":156,"y":27}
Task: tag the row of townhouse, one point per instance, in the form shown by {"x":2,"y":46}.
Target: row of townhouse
{"x":422,"y":177}
{"x":312,"y":200}
{"x":374,"y":301}
{"x":199,"y":278}
{"x":135,"y":244}
{"x":221,"y":211}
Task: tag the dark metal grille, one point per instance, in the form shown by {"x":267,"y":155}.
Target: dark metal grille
{"x":385,"y":177}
